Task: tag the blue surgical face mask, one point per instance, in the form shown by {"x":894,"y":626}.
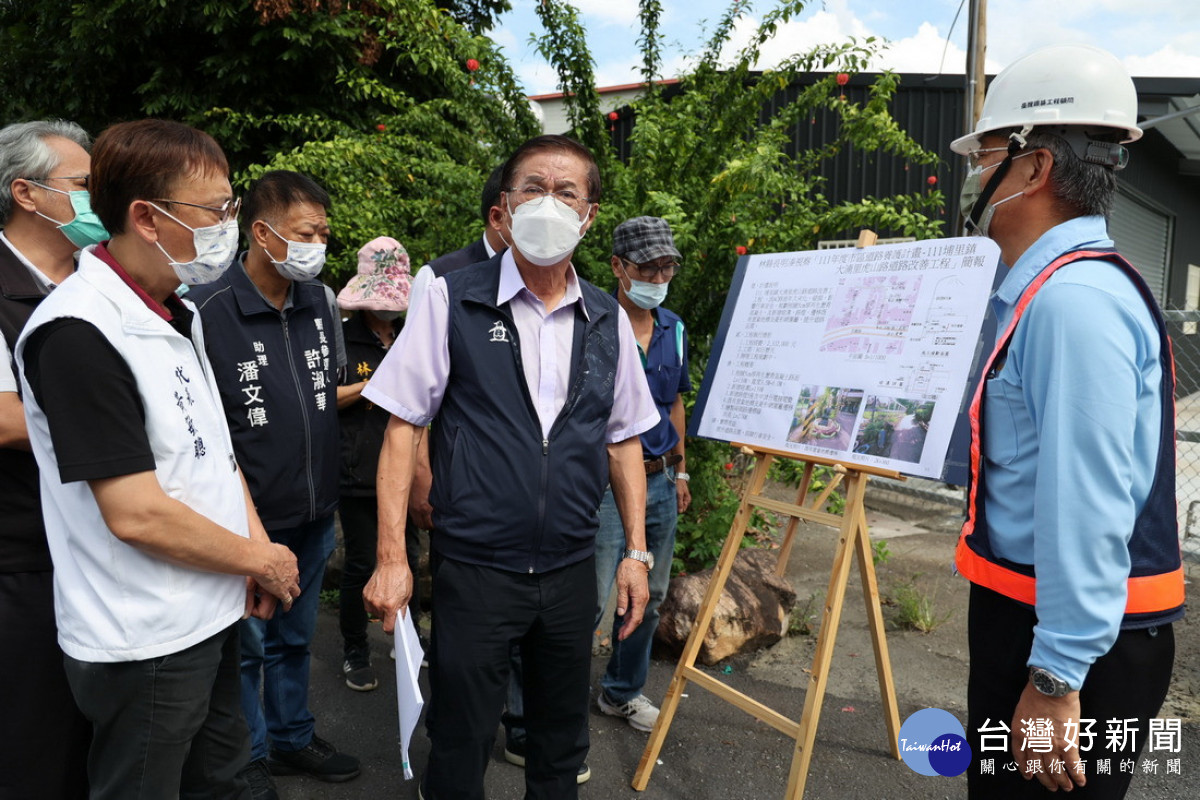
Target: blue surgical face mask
{"x":85,"y":228}
{"x":645,"y":294}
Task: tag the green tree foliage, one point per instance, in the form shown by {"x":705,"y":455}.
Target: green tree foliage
{"x":101,"y":62}
{"x":396,"y":106}
{"x":478,"y":15}
{"x":716,"y":159}
{"x":414,"y":169}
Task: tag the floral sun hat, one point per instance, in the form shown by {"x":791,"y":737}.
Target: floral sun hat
{"x":383,"y":280}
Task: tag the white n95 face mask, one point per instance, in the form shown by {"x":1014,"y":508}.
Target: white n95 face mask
{"x":215,"y":246}
{"x":304,"y":260}
{"x":545,"y":231}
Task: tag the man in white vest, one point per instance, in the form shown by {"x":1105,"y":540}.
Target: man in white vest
{"x":157,"y":550}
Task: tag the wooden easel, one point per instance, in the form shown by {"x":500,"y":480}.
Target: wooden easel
{"x":852,"y":540}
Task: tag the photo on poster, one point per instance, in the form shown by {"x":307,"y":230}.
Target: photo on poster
{"x":824,"y":417}
{"x":893,"y":427}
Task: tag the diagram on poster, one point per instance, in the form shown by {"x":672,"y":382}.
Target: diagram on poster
{"x":861,"y":355}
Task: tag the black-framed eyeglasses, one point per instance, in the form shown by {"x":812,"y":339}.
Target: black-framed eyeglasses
{"x":647,"y":271}
{"x":228,"y":210}
{"x":84,"y":179}
{"x":532,"y":192}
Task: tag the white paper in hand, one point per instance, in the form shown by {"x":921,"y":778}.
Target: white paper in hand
{"x":408,"y":690}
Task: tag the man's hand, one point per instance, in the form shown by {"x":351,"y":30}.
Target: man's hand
{"x":683,"y":496}
{"x":279,"y":575}
{"x":1068,"y":772}
{"x":633,"y":592}
{"x":259,"y":604}
{"x":388,"y":592}
{"x":421,"y":510}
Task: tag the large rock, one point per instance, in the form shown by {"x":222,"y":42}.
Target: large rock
{"x":752,"y":612}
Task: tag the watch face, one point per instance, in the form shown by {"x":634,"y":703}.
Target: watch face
{"x":1047,"y":684}
{"x":649,"y":561}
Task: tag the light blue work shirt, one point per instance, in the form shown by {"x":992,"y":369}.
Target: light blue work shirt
{"x":1070,"y":441}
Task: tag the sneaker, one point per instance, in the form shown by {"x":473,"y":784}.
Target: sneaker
{"x":359,"y":675}
{"x":639,"y":712}
{"x":424,"y":649}
{"x":514,"y":753}
{"x":258,"y":776}
{"x":319,"y":760}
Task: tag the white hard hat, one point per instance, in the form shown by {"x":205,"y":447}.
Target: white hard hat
{"x":1062,"y":85}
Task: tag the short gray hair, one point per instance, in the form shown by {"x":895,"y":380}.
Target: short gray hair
{"x":1080,"y":187}
{"x":25,"y":154}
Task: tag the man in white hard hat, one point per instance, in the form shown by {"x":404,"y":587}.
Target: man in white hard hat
{"x":1070,"y":544}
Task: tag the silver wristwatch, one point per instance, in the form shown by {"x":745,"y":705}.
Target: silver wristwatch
{"x":1048,"y":683}
{"x":643,"y":556}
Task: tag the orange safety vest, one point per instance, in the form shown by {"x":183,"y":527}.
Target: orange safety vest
{"x":1155,"y":585}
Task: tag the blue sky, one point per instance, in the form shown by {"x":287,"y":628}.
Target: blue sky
{"x":1152,"y":37}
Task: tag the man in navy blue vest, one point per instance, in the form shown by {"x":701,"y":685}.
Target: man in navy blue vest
{"x":532,"y":380}
{"x":1071,"y":544}
{"x":275,"y":342}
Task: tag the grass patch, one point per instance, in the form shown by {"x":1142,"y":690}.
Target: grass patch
{"x":804,"y":619}
{"x":331,"y":599}
{"x":915,"y":609}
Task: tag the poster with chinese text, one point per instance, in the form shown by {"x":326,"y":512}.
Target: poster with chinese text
{"x":859,"y":355}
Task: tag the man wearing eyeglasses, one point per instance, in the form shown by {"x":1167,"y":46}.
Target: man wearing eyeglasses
{"x":41,"y":163}
{"x":150,"y":524}
{"x":644,"y":261}
{"x":275,"y":342}
{"x":531,"y":378}
{"x":1071,"y":542}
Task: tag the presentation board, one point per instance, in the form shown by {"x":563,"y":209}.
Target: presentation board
{"x":863,"y":355}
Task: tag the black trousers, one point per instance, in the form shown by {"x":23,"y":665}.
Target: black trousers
{"x":1129,"y":682}
{"x":479,"y":613}
{"x":360,"y":535}
{"x":43,"y":737}
{"x":166,"y":727}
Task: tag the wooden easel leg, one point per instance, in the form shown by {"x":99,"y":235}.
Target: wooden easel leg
{"x":704,"y":615}
{"x":883,"y":662}
{"x":789,"y":535}
{"x":785,"y":549}
{"x":853,"y":518}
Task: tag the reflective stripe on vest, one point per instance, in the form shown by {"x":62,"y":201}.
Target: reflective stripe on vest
{"x":1146,"y":594}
